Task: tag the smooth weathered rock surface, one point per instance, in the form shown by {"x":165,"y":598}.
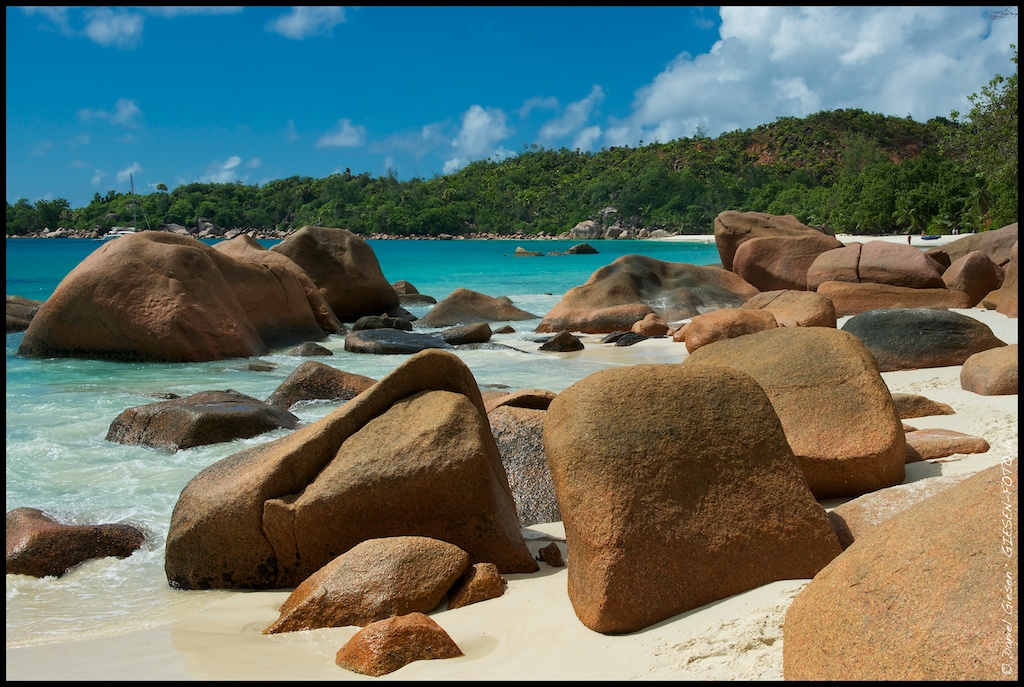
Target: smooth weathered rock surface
{"x":634,"y":286}
{"x":375,"y":579}
{"x":386,"y":645}
{"x":39,"y":546}
{"x":992,"y":372}
{"x":677,"y":488}
{"x":316,"y":381}
{"x":344,"y":268}
{"x":412,"y":455}
{"x":921,"y":596}
{"x":837,"y":412}
{"x":159,"y":297}
{"x":940,"y":338}
{"x":207,"y":417}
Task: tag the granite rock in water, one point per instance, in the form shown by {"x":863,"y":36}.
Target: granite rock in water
{"x":207,"y":417}
{"x":39,"y":546}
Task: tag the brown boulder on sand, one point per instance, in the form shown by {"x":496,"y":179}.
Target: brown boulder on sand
{"x":411,"y":455}
{"x":992,"y":372}
{"x":929,"y":594}
{"x":677,"y":488}
{"x":781,"y":262}
{"x":375,"y":579}
{"x":160,"y":297}
{"x":837,"y":411}
{"x":727,"y":323}
{"x":39,"y":546}
{"x":386,"y":645}
{"x":793,"y":308}
{"x":733,"y":228}
{"x":633,"y":286}
{"x":345,"y":269}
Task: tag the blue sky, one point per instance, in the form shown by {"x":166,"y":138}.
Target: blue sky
{"x":176,"y":95}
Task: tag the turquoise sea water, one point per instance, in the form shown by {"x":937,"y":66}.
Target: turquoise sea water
{"x":58,"y":413}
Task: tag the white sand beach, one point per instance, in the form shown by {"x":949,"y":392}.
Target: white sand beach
{"x":915,"y":240}
{"x":531,"y":632}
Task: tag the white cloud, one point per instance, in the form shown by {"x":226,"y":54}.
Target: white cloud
{"x":344,"y":136}
{"x":291,"y":133}
{"x":574,"y":117}
{"x":126,"y":113}
{"x":226,"y":172}
{"x":125,"y":174}
{"x":97,"y":177}
{"x":307,"y":21}
{"x":114,"y":28}
{"x":550,"y":103}
{"x":170,"y":11}
{"x":794,"y":61}
{"x":586,"y":138}
{"x":482,"y":129}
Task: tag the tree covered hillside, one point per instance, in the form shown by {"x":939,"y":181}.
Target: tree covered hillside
{"x":853,"y":171}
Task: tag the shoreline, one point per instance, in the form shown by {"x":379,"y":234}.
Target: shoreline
{"x":531,"y":631}
{"x":709,"y":239}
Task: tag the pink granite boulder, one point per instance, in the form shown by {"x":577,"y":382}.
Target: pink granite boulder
{"x":677,"y":488}
{"x":992,"y":372}
{"x":387,"y":645}
{"x":772,"y":263}
{"x":733,"y":228}
{"x":634,"y":286}
{"x":375,"y":579}
{"x":793,"y":308}
{"x":836,"y":409}
{"x":727,"y":323}
{"x":929,"y":594}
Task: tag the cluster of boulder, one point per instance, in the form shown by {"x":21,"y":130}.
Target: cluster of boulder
{"x":678,"y":485}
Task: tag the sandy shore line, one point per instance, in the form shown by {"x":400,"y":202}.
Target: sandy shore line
{"x":531,"y":632}
{"x":915,"y":240}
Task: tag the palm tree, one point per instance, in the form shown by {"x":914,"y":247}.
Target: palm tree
{"x":981,"y":199}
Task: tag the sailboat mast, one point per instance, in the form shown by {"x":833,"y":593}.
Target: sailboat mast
{"x":135,"y":211}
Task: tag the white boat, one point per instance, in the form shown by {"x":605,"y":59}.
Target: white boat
{"x":116,"y":232}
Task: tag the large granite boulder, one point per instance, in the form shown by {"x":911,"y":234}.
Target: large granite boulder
{"x":975,"y":274}
{"x":853,"y":299}
{"x":837,"y":412}
{"x":992,"y":372}
{"x":160,"y":297}
{"x":997,"y":244}
{"x":206,"y":417}
{"x":921,"y":596}
{"x":794,"y":308}
{"x":245,"y":248}
{"x":412,"y":455}
{"x":375,"y":579}
{"x":876,"y":262}
{"x":677,"y":488}
{"x":463,"y":306}
{"x":935,"y":442}
{"x":315,"y":381}
{"x":344,"y":268}
{"x":733,"y":228}
{"x":39,"y":546}
{"x":773,"y":263}
{"x":633,"y":286}
{"x":918,"y":338}
{"x":882,"y":262}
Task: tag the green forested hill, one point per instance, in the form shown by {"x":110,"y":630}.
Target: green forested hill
{"x":853,"y":171}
